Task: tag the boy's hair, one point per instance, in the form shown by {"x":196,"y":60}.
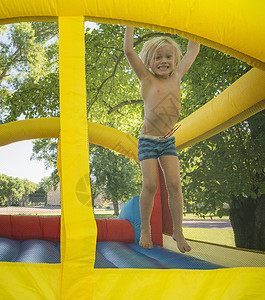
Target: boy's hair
{"x":150,"y":47}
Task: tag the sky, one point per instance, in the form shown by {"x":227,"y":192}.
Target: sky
{"x":15,"y":161}
{"x":15,"y":158}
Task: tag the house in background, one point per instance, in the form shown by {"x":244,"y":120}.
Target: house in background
{"x":54,"y":196}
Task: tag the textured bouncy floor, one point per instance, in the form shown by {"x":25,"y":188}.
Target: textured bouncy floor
{"x":108,"y":255}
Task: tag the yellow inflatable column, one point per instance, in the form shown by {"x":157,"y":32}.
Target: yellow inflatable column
{"x":239,"y":101}
{"x":78,"y":229}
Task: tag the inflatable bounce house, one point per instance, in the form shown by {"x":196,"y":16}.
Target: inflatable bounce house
{"x":78,"y":257}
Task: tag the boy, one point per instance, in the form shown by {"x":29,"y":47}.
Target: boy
{"x":159,"y":71}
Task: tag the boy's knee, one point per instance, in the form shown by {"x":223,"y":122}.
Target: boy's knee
{"x":173,"y":186}
{"x":150,"y":187}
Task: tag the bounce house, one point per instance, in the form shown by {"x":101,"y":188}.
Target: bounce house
{"x":84,"y":258}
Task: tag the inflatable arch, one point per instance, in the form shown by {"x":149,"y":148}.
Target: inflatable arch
{"x":234,"y":27}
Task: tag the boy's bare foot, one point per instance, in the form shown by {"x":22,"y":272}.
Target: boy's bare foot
{"x":146,"y":240}
{"x":182,"y":244}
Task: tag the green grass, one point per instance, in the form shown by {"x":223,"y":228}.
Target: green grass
{"x":105,"y":216}
{"x":216,"y":236}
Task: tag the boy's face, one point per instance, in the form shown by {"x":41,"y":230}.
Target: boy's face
{"x":163,"y":61}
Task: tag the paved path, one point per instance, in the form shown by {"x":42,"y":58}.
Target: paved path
{"x":207,"y":224}
{"x":52,"y":210}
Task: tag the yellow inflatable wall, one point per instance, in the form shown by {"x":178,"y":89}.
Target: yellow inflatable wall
{"x":235,"y":27}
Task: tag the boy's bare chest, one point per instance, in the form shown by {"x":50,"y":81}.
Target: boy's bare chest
{"x":162,"y":102}
{"x":156,"y":92}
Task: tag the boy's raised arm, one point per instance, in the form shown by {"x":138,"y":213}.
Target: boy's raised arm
{"x":128,"y":40}
{"x":137,"y":65}
{"x":188,"y":59}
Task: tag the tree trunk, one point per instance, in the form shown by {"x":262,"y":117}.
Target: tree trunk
{"x":247,"y":217}
{"x":93,"y":196}
{"x":260,"y":225}
{"x":116,"y":207}
{"x":188,"y":208}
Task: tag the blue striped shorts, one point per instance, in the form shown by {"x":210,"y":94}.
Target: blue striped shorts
{"x":154,"y":148}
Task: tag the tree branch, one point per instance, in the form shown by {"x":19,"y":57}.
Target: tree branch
{"x":11,"y":59}
{"x":112,"y":109}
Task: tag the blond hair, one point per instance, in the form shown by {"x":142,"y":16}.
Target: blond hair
{"x":150,"y":47}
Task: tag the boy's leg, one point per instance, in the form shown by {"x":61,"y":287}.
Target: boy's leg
{"x":150,"y":185}
{"x":170,"y":167}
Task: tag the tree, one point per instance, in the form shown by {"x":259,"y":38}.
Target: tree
{"x":47,"y":184}
{"x":14,"y":191}
{"x":39,"y":196}
{"x":227,"y":168}
{"x":11,"y":190}
{"x":4,"y":189}
{"x":247,"y":206}
{"x":29,"y":187}
{"x":116,"y":176}
{"x":46,"y":150}
{"x":29,"y":71}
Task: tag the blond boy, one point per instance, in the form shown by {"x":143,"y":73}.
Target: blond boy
{"x":159,"y":71}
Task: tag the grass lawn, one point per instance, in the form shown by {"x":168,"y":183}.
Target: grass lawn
{"x":216,"y":236}
{"x":105,"y":216}
{"x":104,"y":213}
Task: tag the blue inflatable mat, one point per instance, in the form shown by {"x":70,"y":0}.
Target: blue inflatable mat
{"x":108,"y":255}
{"x":29,"y":251}
{"x":133,"y":256}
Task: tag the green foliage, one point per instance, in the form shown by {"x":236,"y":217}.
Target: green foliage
{"x":46,"y":150}
{"x":49,"y":183}
{"x":14,"y":191}
{"x":3,"y":28}
{"x":29,"y":71}
{"x":39,"y":196}
{"x":227,"y":166}
{"x":109,"y":80}
{"x":114,"y":175}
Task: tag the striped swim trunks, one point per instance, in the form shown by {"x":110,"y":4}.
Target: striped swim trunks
{"x":154,"y":148}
